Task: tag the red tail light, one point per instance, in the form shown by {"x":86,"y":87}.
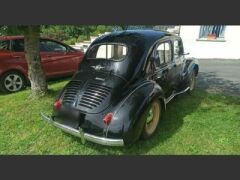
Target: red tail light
{"x":58,"y":104}
{"x":108,"y":118}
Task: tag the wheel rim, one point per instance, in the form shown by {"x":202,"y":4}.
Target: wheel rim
{"x":152,"y":118}
{"x":13,"y":82}
{"x":192,"y":84}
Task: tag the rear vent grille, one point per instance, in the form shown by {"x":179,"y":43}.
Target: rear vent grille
{"x":71,"y":91}
{"x":94,"y":95}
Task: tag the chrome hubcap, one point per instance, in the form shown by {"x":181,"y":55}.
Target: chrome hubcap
{"x":13,"y":82}
{"x":150,"y":116}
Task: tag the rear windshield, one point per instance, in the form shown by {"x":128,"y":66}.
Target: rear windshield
{"x":114,"y":52}
{"x":4,"y":45}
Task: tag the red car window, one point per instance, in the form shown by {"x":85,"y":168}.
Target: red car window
{"x":4,"y":45}
{"x":18,"y":45}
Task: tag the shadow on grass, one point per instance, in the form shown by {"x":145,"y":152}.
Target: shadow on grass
{"x":58,"y":80}
{"x":170,"y":123}
{"x":211,"y":82}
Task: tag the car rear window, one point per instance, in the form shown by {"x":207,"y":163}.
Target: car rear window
{"x":4,"y":44}
{"x":114,"y":52}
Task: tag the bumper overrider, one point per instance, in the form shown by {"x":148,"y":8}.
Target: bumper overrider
{"x":84,"y":136}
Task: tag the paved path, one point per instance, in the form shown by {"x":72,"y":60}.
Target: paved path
{"x":220,"y":75}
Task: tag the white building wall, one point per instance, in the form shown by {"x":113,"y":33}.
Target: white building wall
{"x":229,"y":49}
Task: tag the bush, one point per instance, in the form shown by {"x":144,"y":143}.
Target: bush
{"x":81,"y":38}
{"x":71,"y":41}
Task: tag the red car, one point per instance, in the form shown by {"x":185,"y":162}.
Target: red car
{"x":58,"y":59}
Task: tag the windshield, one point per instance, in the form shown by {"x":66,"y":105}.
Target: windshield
{"x":115,"y":52}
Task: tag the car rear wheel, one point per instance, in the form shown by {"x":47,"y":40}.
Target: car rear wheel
{"x":12,"y":81}
{"x":152,"y":119}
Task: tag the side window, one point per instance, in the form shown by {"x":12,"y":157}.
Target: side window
{"x":164,"y":52}
{"x":4,"y":45}
{"x":168,"y":52}
{"x":18,"y":45}
{"x":51,"y":46}
{"x":178,"y":48}
{"x":160,"y":53}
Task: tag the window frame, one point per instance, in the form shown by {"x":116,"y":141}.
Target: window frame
{"x":181,"y":48}
{"x":169,"y":41}
{"x":66,"y":47}
{"x":150,"y":60}
{"x":111,"y":43}
{"x":206,"y":38}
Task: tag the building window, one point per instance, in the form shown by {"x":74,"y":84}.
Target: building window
{"x":212,"y":32}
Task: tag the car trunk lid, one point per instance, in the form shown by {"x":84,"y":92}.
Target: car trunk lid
{"x":92,"y":92}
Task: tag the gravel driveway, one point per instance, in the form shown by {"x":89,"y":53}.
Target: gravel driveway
{"x":220,"y":76}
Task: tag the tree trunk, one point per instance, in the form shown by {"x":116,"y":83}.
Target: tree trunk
{"x":32,"y":54}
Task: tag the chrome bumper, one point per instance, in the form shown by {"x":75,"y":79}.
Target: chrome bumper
{"x":84,"y":136}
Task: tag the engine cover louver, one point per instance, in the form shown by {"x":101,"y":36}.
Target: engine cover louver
{"x":71,"y":91}
{"x":94,"y":95}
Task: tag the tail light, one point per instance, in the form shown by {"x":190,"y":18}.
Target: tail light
{"x":58,"y":104}
{"x":108,"y":118}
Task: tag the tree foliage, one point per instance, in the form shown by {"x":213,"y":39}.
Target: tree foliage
{"x":71,"y":34}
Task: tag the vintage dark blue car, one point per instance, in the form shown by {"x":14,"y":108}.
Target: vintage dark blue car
{"x":122,"y":86}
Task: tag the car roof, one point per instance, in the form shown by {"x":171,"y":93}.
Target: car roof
{"x":10,"y":37}
{"x":133,"y":36}
{"x":140,"y":43}
{"x":21,"y":37}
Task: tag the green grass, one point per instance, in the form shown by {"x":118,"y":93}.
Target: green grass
{"x":203,"y":123}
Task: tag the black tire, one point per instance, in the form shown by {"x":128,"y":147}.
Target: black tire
{"x":152,"y":117}
{"x":12,"y":81}
{"x":192,"y":83}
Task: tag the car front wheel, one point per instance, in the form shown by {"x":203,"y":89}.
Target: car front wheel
{"x":152,"y":119}
{"x":11,"y":82}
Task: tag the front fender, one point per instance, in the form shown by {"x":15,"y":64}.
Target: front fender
{"x":133,"y":106}
{"x":192,"y":65}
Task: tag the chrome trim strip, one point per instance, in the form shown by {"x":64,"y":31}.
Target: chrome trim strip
{"x":175,"y":94}
{"x":84,"y":136}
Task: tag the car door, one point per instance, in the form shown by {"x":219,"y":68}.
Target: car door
{"x":17,"y":54}
{"x":165,"y":73}
{"x":57,"y":60}
{"x":178,"y":57}
{"x":156,"y":69}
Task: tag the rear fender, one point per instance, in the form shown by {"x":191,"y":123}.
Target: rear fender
{"x":15,"y":68}
{"x":133,"y":106}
